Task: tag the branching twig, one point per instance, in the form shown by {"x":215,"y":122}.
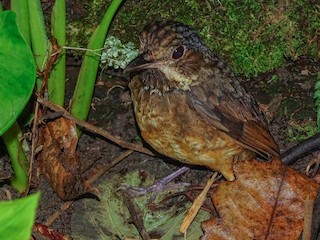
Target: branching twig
{"x":136,"y":217}
{"x":94,"y":129}
{"x":106,"y":167}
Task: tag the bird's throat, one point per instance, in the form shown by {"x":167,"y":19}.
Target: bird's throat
{"x":179,"y":79}
{"x":165,"y":80}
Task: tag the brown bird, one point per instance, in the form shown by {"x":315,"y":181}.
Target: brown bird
{"x":189,"y":105}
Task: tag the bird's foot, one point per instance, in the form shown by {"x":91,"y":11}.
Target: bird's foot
{"x":160,"y":186}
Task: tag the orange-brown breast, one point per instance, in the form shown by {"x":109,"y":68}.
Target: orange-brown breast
{"x":173,"y":128}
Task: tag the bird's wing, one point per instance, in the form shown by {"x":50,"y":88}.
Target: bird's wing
{"x":232,"y":110}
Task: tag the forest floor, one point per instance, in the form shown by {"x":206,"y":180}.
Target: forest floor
{"x":286,"y":95}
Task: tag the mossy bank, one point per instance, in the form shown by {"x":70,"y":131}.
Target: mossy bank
{"x":254,"y":37}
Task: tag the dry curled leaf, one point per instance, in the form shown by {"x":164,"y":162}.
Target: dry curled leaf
{"x":266,"y":201}
{"x":49,"y":233}
{"x":58,"y":159}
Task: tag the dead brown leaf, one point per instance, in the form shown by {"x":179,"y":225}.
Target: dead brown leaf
{"x":49,"y":233}
{"x":266,"y":201}
{"x":58,"y":159}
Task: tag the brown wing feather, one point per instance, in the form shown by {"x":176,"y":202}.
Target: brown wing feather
{"x":232,"y":110}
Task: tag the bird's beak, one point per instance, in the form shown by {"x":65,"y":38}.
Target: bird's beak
{"x":139,"y":64}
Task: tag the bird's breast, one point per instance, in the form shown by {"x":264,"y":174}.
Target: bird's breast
{"x":173,"y":128}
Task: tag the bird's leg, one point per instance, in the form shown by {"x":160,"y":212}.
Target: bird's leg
{"x":159,"y":186}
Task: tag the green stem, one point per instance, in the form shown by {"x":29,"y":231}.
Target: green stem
{"x":20,"y":7}
{"x":56,"y":81}
{"x":19,"y":160}
{"x":39,"y":39}
{"x":86,"y":80}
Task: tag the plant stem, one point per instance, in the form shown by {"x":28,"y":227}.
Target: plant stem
{"x":39,"y":39}
{"x":19,"y":161}
{"x":20,"y":7}
{"x":81,"y":100}
{"x":13,"y":135}
{"x":56,"y":81}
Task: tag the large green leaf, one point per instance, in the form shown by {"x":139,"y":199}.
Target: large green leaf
{"x":17,"y":217}
{"x":108,"y":219}
{"x":17,"y":71}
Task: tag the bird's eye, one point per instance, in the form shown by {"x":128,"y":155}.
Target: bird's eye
{"x":178,"y":52}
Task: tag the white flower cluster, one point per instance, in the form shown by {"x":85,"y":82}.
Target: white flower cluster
{"x":116,"y":54}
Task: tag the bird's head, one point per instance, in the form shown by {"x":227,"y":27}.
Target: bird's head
{"x":175,"y":50}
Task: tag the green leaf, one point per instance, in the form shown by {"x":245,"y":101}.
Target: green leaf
{"x":57,"y":78}
{"x":110,"y":218}
{"x":17,"y":71}
{"x":81,"y":100}
{"x":17,"y":217}
{"x":20,"y":7}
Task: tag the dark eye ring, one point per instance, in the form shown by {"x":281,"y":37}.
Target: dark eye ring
{"x":178,"y":52}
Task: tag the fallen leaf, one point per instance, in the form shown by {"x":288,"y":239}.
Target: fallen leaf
{"x":110,"y":218}
{"x":58,"y":159}
{"x":49,"y":233}
{"x":266,"y":201}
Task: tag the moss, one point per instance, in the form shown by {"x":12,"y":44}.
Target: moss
{"x":82,"y":18}
{"x":254,"y":37}
{"x":133,"y":17}
{"x":299,"y":131}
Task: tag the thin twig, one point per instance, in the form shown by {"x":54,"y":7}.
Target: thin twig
{"x":307,"y":216}
{"x":94,"y":129}
{"x":53,"y":58}
{"x":34,"y":141}
{"x":106,"y":167}
{"x":54,"y":216}
{"x":197,"y":203}
{"x":136,"y":217}
{"x":94,"y":51}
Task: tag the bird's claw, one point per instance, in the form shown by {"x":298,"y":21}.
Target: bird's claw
{"x":158,"y":187}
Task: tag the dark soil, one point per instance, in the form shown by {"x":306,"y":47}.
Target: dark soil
{"x":112,"y":111}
